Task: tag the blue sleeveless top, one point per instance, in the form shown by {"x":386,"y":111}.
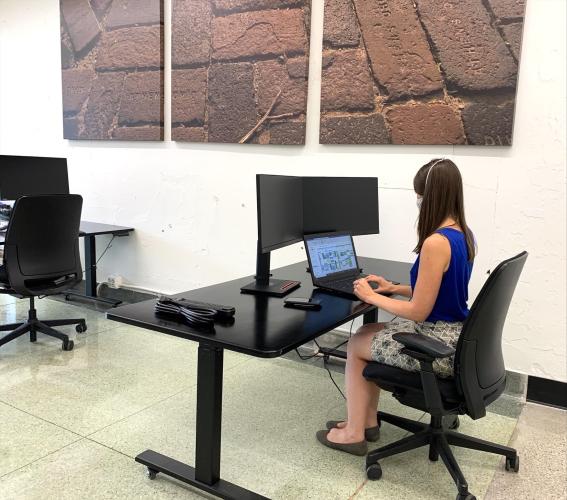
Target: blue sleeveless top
{"x":451,"y":303}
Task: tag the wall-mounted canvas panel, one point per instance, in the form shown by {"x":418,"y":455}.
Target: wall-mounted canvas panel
{"x":239,"y":70}
{"x":112,"y":67}
{"x":420,"y":71}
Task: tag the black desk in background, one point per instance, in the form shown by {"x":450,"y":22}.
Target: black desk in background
{"x":262,"y":328}
{"x":89,"y":231}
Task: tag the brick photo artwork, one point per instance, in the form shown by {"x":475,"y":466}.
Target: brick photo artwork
{"x":420,"y":71}
{"x":239,"y":71}
{"x":112,"y":66}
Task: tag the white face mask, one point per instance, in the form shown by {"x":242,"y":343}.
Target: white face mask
{"x":419,"y":201}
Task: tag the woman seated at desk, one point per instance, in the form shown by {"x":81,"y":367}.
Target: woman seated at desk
{"x":437,"y":307}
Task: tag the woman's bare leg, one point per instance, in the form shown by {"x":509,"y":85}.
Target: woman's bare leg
{"x":362,"y":396}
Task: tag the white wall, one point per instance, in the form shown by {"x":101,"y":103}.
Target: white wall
{"x":191,"y":203}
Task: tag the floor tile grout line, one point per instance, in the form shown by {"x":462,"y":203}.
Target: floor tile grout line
{"x":109,"y":448}
{"x":185,"y":389}
{"x":41,"y":418}
{"x":510,"y":443}
{"x":81,"y":438}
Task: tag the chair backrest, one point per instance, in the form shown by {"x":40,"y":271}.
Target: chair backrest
{"x":41,"y":249}
{"x":479,"y":364}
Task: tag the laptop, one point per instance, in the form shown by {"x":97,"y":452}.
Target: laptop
{"x":332,"y":262}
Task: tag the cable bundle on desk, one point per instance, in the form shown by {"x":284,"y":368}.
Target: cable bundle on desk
{"x":194,"y":313}
{"x":197,"y":317}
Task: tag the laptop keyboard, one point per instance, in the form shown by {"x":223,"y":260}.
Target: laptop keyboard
{"x":345,"y":285}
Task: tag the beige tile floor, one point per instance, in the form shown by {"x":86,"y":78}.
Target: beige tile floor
{"x":73,"y":421}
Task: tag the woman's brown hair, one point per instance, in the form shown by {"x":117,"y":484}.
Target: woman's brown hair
{"x":440,"y":184}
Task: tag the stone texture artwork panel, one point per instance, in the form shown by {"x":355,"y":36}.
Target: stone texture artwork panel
{"x":239,"y":71}
{"x":112,"y":69}
{"x":420,"y":71}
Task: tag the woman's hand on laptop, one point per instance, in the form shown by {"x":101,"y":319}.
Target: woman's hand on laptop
{"x":383,"y":285}
{"x":363,"y":290}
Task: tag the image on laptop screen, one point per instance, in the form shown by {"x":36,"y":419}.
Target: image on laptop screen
{"x":331,"y":254}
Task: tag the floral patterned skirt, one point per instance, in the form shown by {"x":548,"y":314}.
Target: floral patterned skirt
{"x":387,"y":351}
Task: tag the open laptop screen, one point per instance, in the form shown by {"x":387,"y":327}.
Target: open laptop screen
{"x":330,"y":254}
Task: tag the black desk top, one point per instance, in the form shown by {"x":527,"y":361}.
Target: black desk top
{"x":95,"y":228}
{"x":92,"y":229}
{"x":263,"y":327}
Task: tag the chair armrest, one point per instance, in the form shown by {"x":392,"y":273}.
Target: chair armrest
{"x":424,"y":344}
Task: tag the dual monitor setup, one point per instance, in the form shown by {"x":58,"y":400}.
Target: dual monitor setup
{"x":291,"y":208}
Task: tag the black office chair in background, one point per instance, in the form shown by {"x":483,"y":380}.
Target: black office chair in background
{"x":41,"y":257}
{"x":479,"y":379}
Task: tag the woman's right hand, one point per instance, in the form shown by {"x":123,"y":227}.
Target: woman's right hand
{"x":384,"y":286}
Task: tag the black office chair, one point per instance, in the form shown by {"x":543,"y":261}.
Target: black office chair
{"x":41,"y":257}
{"x":479,"y":379}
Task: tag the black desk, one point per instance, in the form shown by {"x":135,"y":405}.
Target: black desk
{"x":262,"y":328}
{"x":89,"y":231}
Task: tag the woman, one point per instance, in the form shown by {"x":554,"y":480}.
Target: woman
{"x":437,"y":307}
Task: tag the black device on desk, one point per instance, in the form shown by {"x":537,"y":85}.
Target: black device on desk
{"x":308,"y":303}
{"x":332,"y":262}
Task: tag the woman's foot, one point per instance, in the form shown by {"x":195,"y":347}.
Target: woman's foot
{"x":371,"y":433}
{"x":343,"y":440}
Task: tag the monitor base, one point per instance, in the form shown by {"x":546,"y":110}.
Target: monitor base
{"x":273,"y":288}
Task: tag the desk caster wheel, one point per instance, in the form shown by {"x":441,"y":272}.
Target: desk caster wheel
{"x":151,"y":473}
{"x":513,"y":464}
{"x":374,"y":472}
{"x":467,"y":496}
{"x":81,"y":328}
{"x":68,"y":345}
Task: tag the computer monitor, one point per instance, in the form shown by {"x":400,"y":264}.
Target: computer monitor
{"x":332,"y":204}
{"x":29,"y":175}
{"x":280,"y":211}
{"x":280,"y":223}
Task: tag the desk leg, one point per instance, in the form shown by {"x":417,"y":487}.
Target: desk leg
{"x":90,"y":266}
{"x":209,"y":414}
{"x":205,"y":475}
{"x":370,"y":317}
{"x":90,"y":275}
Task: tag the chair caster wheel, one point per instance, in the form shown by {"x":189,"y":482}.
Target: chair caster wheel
{"x":68,"y":345}
{"x":453,"y":422}
{"x":467,"y":496}
{"x":151,"y":473}
{"x":374,"y":472}
{"x":81,"y":328}
{"x":513,"y":464}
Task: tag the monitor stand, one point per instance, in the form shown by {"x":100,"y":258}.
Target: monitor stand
{"x":264,"y":284}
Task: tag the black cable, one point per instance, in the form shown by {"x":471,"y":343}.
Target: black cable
{"x":305,"y":358}
{"x":104,"y":251}
{"x":335,"y":384}
{"x":329,"y":371}
{"x":311,"y":356}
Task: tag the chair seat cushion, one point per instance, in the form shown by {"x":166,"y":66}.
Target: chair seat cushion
{"x":397,"y":380}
